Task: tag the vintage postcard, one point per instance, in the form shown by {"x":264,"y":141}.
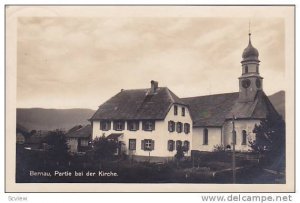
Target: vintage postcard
{"x":150,"y":98}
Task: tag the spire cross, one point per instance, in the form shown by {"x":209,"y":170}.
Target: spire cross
{"x":249,"y":32}
{"x":249,"y":27}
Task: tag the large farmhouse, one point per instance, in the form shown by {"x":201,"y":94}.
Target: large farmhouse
{"x":154,"y":121}
{"x":146,"y":121}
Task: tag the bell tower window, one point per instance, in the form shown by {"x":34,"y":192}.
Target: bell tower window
{"x":246,"y":69}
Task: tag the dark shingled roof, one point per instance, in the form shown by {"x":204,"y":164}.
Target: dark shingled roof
{"x":83,"y":132}
{"x":138,"y":104}
{"x":21,"y":129}
{"x":213,"y":110}
{"x":259,"y":108}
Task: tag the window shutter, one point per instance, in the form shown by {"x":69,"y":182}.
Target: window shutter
{"x":178,"y":144}
{"x":109,"y":125}
{"x":179,"y":127}
{"x":143,"y":144}
{"x":152,"y":145}
{"x":171,"y":145}
{"x":114,"y":125}
{"x":101,"y":125}
{"x":134,"y":146}
{"x":170,"y":126}
{"x":143,"y":125}
{"x":153,"y":125}
{"x":175,"y":110}
{"x":128,"y":125}
{"x":123,"y":125}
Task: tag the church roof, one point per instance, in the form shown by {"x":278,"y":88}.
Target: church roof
{"x":211,"y":110}
{"x":138,"y":104}
{"x":214,"y":110}
{"x":258,"y":109}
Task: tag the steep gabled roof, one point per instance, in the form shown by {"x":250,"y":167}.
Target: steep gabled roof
{"x":21,"y":129}
{"x":211,"y":110}
{"x":138,"y":104}
{"x":81,"y":132}
{"x":257,"y":109}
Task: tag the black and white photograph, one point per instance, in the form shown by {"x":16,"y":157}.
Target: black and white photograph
{"x":196,"y":98}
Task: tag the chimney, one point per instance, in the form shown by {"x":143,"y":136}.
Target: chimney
{"x":154,"y":86}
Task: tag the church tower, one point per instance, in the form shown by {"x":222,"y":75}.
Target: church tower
{"x":250,"y":81}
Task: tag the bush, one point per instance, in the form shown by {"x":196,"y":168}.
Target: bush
{"x":219,"y":148}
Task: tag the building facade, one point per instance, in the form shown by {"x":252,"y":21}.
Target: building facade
{"x":79,"y":138}
{"x":155,"y":122}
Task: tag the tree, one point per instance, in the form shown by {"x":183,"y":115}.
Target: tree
{"x":179,"y":153}
{"x":270,"y":138}
{"x":58,"y":147}
{"x":104,"y":148}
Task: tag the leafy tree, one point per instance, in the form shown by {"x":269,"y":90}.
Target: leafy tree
{"x":179,"y":153}
{"x":104,"y":148}
{"x":58,"y":147}
{"x":219,"y":148}
{"x":270,"y":138}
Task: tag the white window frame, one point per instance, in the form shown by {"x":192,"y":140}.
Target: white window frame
{"x":148,"y":145}
{"x":104,"y":125}
{"x":149,"y":126}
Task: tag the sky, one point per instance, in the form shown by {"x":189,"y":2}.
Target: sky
{"x":80,"y":62}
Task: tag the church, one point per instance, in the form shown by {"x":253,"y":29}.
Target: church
{"x":154,"y":122}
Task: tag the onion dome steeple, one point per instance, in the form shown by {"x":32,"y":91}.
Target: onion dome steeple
{"x":250,"y":82}
{"x":250,"y":53}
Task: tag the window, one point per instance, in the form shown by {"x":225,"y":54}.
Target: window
{"x":178,"y":144}
{"x":175,"y":110}
{"x":205,"y":136}
{"x":105,"y":125}
{"x":119,"y":125}
{"x":132,"y":144}
{"x":171,"y":145}
{"x":171,"y":126}
{"x":148,"y":125}
{"x":133,"y":125}
{"x":244,"y":137}
{"x":183,"y":111}
{"x":179,"y":127}
{"x":246,"y":69}
{"x":186,"y":128}
{"x":147,"y":145}
{"x":186,"y":146}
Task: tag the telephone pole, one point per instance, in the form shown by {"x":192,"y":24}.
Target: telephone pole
{"x":233,"y":150}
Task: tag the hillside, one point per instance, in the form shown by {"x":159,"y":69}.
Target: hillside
{"x":278,"y":101}
{"x":50,"y":119}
